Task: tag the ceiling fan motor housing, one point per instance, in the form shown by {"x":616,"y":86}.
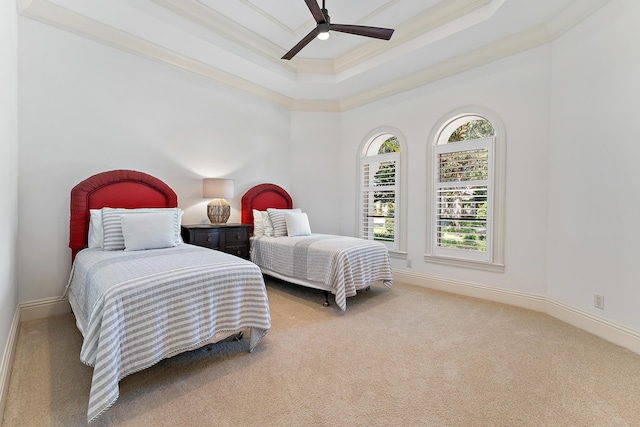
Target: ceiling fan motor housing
{"x":327,"y":18}
{"x":323,"y":26}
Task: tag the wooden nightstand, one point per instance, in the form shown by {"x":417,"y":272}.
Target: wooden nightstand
{"x":230,"y":238}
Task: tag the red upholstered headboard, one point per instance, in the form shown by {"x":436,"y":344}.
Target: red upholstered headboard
{"x":264,"y":196}
{"x":114,"y":189}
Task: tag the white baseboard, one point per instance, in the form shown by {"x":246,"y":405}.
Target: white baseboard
{"x":44,"y":308}
{"x":7,"y":360}
{"x":588,"y":322}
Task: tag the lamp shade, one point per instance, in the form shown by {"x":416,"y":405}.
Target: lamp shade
{"x":218,"y":188}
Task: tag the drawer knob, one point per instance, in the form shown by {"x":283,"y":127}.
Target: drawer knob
{"x":238,"y":236}
{"x":208,"y":238}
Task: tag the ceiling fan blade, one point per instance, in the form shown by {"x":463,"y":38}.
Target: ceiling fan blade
{"x":375,"y":32}
{"x":302,"y":43}
{"x":315,"y":11}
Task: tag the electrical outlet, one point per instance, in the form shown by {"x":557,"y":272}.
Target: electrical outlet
{"x":409,"y":263}
{"x":598,"y":301}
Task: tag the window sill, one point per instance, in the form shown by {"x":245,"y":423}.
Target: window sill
{"x":456,"y":262}
{"x":398,"y":255}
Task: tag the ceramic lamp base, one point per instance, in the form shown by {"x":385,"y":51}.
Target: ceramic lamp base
{"x":218,"y":211}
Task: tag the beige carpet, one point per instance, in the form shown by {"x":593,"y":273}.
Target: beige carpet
{"x":407,"y":356}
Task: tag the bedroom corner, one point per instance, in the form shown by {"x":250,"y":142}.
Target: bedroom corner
{"x":9,"y":315}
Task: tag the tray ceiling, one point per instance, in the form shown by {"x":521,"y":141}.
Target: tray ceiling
{"x":239,"y":43}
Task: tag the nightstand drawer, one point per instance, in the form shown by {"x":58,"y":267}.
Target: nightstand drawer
{"x":240,"y":250}
{"x":237,"y":235}
{"x":207,"y":238}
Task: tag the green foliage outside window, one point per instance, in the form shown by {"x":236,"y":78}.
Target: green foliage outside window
{"x":384,"y":201}
{"x":474,"y":129}
{"x":462,"y":210}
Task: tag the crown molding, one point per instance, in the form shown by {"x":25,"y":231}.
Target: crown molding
{"x":325,"y":106}
{"x":198,"y":12}
{"x":430,"y":20}
{"x":501,"y":49}
{"x":52,"y":14}
{"x":520,"y":42}
{"x":65,"y":19}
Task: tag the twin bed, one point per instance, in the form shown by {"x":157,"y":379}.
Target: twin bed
{"x":337,"y":265}
{"x":140,"y":295}
{"x":137,"y":307}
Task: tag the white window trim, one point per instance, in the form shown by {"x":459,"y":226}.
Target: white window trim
{"x":496,"y":257}
{"x":400,"y":250}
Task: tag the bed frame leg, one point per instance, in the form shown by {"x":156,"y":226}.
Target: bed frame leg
{"x":326,"y":299}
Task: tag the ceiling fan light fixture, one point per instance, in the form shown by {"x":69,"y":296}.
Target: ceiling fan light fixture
{"x":324,"y":25}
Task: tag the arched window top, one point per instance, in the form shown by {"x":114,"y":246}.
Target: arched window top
{"x":465,"y":128}
{"x":381,"y":144}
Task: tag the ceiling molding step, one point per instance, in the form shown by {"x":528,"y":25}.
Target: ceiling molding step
{"x":302,"y":28}
{"x":196,"y":11}
{"x":577,"y":12}
{"x":318,"y":106}
{"x":49,"y":13}
{"x":517,"y":43}
{"x":376,"y":12}
{"x":431,"y":19}
{"x":313,"y":66}
{"x":217,"y":23}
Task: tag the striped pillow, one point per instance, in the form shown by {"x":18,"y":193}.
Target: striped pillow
{"x":279,"y":221}
{"x":113,"y":238}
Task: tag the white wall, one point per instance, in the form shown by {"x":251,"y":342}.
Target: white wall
{"x":8,"y":184}
{"x":315,"y":165}
{"x":87,"y":108}
{"x":594,"y":192}
{"x":517,"y":89}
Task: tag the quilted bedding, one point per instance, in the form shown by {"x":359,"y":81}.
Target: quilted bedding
{"x":137,"y":308}
{"x":342,"y":263}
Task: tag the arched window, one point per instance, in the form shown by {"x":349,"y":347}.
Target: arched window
{"x":467,"y":163}
{"x":380,"y":179}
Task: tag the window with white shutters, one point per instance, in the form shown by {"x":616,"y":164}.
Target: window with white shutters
{"x":463,"y":199}
{"x":466,"y":203}
{"x":380,"y":190}
{"x":379,"y":197}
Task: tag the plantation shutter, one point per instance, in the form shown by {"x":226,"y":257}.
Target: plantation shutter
{"x":380,"y":198}
{"x":463,"y":193}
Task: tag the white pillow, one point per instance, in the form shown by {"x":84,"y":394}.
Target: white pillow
{"x":258,"y":223}
{"x":113,"y":239}
{"x":95,"y":228}
{"x":268,"y":227}
{"x":148,"y":231}
{"x":278,"y":220}
{"x":297,"y":224}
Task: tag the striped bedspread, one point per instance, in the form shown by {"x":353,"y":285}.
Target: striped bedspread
{"x":137,"y":308}
{"x":345,"y":264}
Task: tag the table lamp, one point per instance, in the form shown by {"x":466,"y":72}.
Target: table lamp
{"x":218,"y":189}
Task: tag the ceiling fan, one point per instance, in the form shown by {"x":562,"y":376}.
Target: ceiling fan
{"x":324,"y":25}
